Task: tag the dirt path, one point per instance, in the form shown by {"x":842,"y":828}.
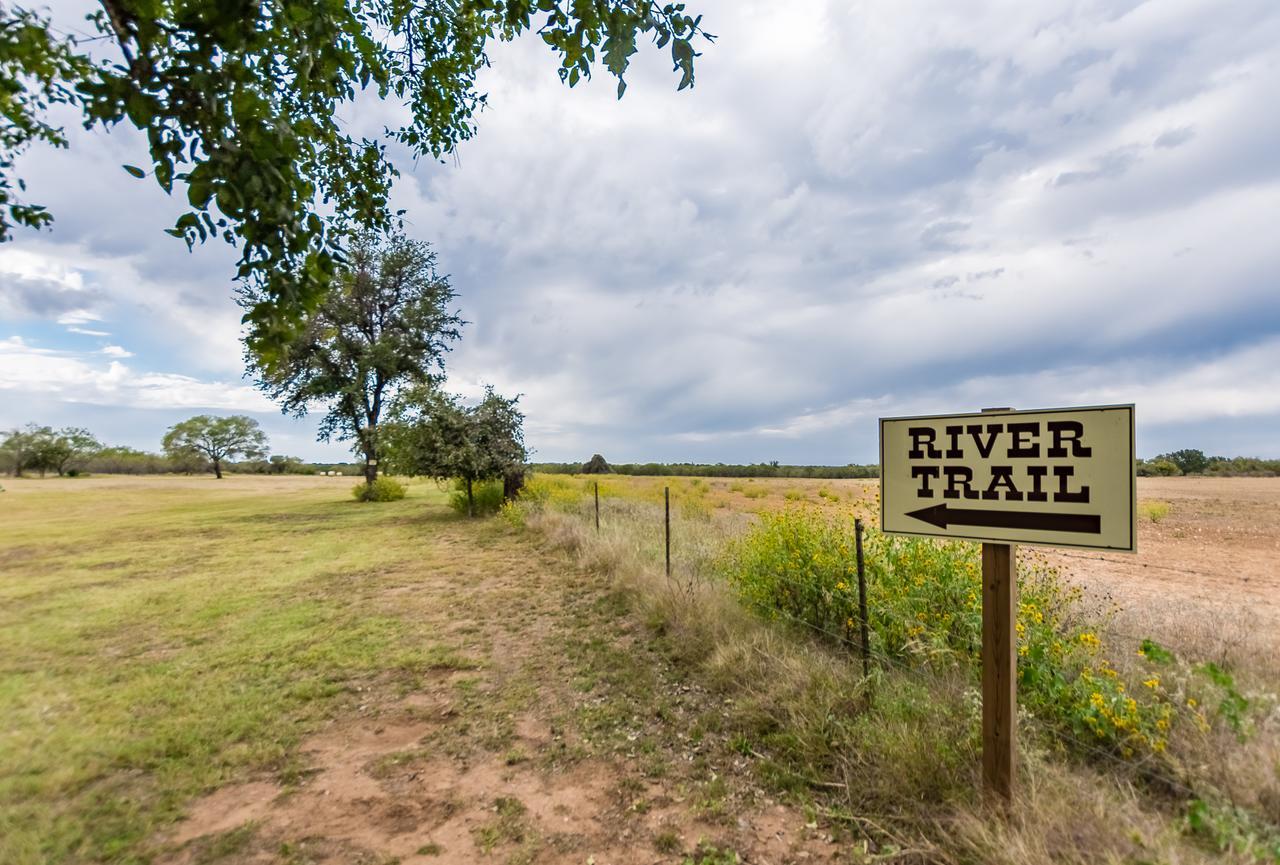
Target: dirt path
{"x":547,"y":734}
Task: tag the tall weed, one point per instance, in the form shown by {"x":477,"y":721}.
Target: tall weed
{"x":925,"y":607}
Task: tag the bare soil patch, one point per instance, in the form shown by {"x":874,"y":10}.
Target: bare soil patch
{"x":548,"y":749}
{"x":1207,"y":568}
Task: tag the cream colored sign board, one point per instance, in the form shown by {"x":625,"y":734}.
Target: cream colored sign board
{"x":1059,"y":477}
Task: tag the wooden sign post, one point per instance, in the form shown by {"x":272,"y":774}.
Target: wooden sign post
{"x":1058,"y":477}
{"x":999,"y":668}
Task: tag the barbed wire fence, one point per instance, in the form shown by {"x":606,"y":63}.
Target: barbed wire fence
{"x":1147,"y":767}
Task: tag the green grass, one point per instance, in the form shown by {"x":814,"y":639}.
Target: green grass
{"x":159,"y":639}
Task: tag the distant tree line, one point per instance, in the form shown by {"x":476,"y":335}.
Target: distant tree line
{"x":1195,"y":462}
{"x":204,"y":443}
{"x":1182,"y":462}
{"x":707,"y":470}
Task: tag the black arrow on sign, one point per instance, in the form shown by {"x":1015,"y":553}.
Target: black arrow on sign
{"x":943,"y":516}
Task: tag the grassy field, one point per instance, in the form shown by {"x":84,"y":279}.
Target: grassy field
{"x":160,"y":637}
{"x":262,"y":670}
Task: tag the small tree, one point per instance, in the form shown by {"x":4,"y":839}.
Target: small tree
{"x":69,"y":446}
{"x":1189,"y":461}
{"x":596,"y":466}
{"x":216,"y":439}
{"x":1158,"y":467}
{"x":20,"y":449}
{"x":384,"y":323}
{"x":434,"y":435}
{"x":284,"y":465}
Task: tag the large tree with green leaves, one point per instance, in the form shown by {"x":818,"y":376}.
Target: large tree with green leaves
{"x":385,"y":322}
{"x":216,"y":439}
{"x":435,"y":435}
{"x":242,"y":101}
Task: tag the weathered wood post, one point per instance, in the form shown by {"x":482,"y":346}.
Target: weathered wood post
{"x":999,"y":666}
{"x":999,"y":669}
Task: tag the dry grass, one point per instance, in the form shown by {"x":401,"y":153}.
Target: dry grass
{"x":893,"y":758}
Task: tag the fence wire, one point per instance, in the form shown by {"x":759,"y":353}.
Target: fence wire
{"x":1146,"y":767}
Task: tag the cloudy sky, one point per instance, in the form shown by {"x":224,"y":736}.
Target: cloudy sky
{"x":862,"y":210}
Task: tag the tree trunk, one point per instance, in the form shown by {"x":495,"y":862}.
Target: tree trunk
{"x":512,"y":483}
{"x":217,"y":469}
{"x":471,"y":502}
{"x":369,"y":440}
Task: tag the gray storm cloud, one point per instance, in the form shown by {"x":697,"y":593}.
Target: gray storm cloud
{"x":861,"y":209}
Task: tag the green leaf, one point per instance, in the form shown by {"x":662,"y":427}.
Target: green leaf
{"x":135,"y":171}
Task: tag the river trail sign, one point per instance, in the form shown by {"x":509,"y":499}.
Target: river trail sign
{"x":1061,"y":477}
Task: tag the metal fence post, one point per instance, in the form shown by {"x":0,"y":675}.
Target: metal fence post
{"x":666,"y":498}
{"x":862,"y":599}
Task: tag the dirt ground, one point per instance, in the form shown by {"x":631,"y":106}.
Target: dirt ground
{"x":554,"y":746}
{"x":1208,"y":570}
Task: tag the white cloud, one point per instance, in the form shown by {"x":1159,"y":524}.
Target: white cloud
{"x":29,"y":371}
{"x":860,"y":209}
{"x":115,"y":351}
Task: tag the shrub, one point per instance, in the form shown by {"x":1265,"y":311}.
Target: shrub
{"x":487,"y":496}
{"x":383,"y":489}
{"x":924,"y":605}
{"x":1154,"y":511}
{"x":1158,"y":467}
